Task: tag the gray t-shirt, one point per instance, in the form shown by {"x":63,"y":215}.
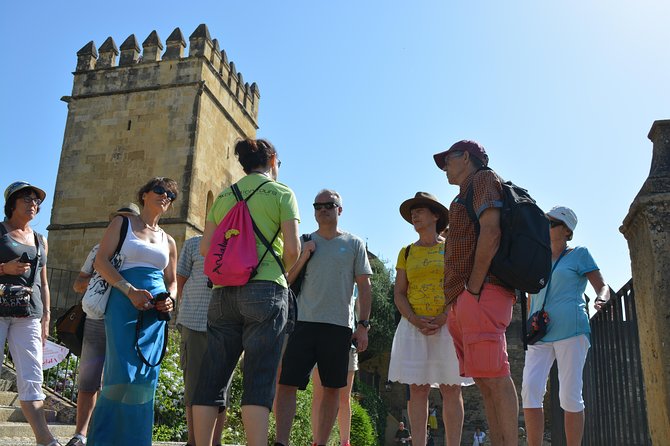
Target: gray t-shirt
{"x":327,"y":293}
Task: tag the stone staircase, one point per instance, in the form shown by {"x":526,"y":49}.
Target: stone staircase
{"x":60,"y":415}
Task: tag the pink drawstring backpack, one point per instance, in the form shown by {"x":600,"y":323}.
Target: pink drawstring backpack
{"x":232,"y":259}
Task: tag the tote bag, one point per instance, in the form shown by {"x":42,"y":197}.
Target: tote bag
{"x":97,"y":293}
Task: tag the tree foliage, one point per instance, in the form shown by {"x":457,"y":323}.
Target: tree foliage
{"x":383,"y":311}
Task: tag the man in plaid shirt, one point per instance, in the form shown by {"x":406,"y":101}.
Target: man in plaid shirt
{"x":194,"y":296}
{"x":481,"y":305}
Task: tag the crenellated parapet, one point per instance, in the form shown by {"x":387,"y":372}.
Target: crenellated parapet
{"x":154,"y":64}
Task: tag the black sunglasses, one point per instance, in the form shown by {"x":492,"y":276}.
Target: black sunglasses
{"x":329,"y":205}
{"x":554,"y":223}
{"x":160,"y":190}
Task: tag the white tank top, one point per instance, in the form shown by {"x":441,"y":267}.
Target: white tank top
{"x":141,"y":253}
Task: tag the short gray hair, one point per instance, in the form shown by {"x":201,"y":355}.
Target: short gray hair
{"x":333,"y":193}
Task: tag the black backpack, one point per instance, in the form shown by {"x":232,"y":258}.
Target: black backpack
{"x":523,"y":260}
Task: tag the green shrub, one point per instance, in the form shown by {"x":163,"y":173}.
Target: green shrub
{"x":375,"y":408}
{"x":362,"y":433}
{"x":169,"y":411}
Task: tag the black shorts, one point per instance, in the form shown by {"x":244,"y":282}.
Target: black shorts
{"x":326,"y":345}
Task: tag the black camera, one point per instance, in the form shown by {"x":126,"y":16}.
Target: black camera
{"x":24,"y":258}
{"x":160,"y":297}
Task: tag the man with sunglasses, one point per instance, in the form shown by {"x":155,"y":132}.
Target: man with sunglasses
{"x":479,"y":305}
{"x":325,"y":330}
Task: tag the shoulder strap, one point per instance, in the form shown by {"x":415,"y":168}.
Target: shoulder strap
{"x":469,"y":201}
{"x":122,"y":234}
{"x":407,"y":248}
{"x":238,"y":194}
{"x":546,"y":293}
{"x":31,"y":281}
{"x":3,"y":230}
{"x":268,"y":248}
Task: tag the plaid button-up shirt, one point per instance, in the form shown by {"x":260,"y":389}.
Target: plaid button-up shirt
{"x":459,"y":253}
{"x":194,"y":301}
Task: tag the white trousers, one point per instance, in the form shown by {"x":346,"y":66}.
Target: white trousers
{"x":24,"y":336}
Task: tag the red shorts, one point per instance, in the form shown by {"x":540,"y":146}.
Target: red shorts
{"x":478,"y":329}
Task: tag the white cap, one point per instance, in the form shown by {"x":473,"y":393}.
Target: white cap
{"x":566,"y":215}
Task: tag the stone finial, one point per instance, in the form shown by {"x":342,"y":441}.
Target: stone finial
{"x":152,"y":48}
{"x":659,"y":174}
{"x":86,"y":57}
{"x":216,"y":56}
{"x":175,"y":45}
{"x":108,"y":52}
{"x":224,"y":57}
{"x":255,"y":99}
{"x":130,"y":51}
{"x":200,"y":44}
{"x":232,"y":76}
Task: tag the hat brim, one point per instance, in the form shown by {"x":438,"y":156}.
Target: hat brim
{"x":407,"y":206}
{"x":40,"y":193}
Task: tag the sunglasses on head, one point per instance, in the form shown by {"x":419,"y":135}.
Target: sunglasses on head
{"x":329,"y":205}
{"x":160,"y":190}
{"x":554,"y":223}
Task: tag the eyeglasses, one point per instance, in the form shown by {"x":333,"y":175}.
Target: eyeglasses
{"x":329,"y":205}
{"x":160,"y":190}
{"x":30,"y":200}
{"x":554,"y":223}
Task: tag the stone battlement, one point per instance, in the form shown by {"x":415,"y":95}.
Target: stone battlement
{"x":138,"y":69}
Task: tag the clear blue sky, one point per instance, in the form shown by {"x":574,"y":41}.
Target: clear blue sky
{"x":357,"y":96}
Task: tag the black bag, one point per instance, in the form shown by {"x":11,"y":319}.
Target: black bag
{"x":15,"y":299}
{"x":536,"y":326}
{"x":523,"y":260}
{"x":296,"y":286}
{"x":138,"y":330}
{"x":70,"y":328}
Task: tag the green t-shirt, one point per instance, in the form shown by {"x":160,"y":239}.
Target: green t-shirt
{"x":271,"y":205}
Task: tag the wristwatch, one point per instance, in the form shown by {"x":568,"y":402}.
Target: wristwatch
{"x":365,"y":323}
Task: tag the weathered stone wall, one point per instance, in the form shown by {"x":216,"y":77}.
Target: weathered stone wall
{"x":647,"y":229}
{"x":177,"y":117}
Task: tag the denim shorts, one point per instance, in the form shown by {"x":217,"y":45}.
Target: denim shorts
{"x":248,"y":319}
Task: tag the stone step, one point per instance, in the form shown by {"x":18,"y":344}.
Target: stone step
{"x":14,"y":413}
{"x":20,"y":431}
{"x":8,"y":398}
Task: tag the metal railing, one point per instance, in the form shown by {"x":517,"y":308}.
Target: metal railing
{"x":616,"y":411}
{"x":61,"y":379}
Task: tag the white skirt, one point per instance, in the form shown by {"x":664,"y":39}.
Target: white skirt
{"x":420,"y":359}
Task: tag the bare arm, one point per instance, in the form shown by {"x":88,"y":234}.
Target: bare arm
{"x":103,"y":266}
{"x":181,"y":281}
{"x":600,"y":287}
{"x":307,"y":249}
{"x":402,"y":302}
{"x":289,"y":230}
{"x":487,"y":246}
{"x":169,"y":277}
{"x":364,"y":307}
{"x":207,"y":235}
{"x":81,"y":282}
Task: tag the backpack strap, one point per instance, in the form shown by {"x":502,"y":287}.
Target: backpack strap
{"x":407,"y":248}
{"x":238,"y":194}
{"x":469,"y":201}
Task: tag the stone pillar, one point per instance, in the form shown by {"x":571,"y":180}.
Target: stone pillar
{"x":647,"y":229}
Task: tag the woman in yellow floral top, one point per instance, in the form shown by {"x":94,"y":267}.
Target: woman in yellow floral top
{"x":423,"y":353}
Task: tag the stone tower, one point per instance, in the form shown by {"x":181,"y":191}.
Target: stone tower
{"x":171,"y":116}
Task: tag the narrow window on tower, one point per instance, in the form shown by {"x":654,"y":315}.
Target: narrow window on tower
{"x":129,"y":124}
